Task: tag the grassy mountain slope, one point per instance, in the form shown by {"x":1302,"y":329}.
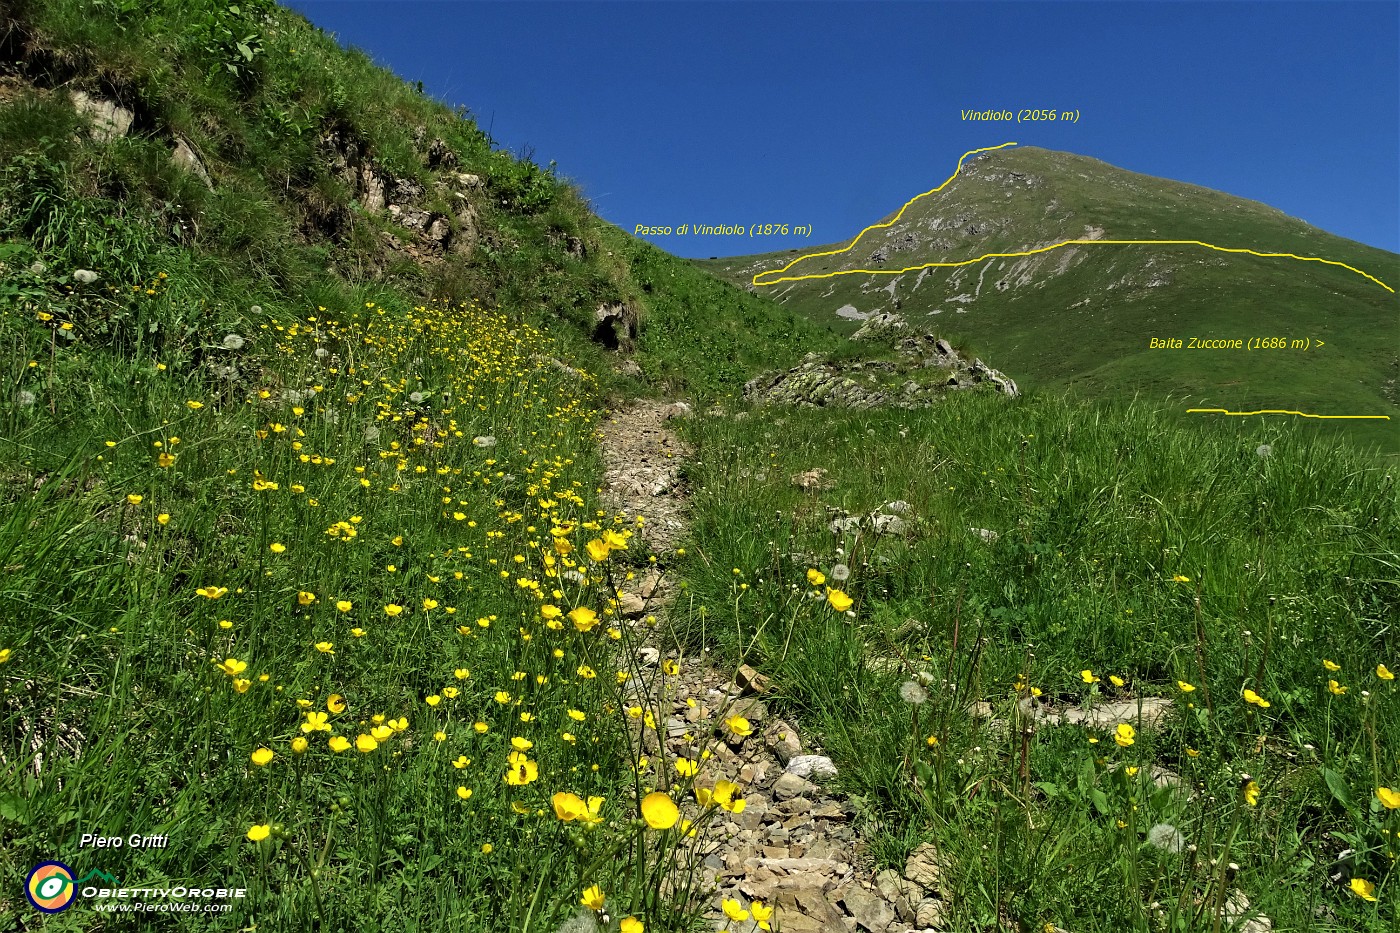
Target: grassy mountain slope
{"x":298,"y":528}
{"x":1082,"y":316}
{"x":273,"y":419}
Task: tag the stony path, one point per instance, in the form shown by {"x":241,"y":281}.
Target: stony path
{"x":793,"y":846}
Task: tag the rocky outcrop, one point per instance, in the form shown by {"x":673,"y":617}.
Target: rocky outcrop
{"x":431,"y":234}
{"x":880,"y":326}
{"x":926,"y":369}
{"x":185,"y":157}
{"x":109,"y":120}
{"x":615,"y":325}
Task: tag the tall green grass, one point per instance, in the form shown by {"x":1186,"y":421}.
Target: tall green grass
{"x":1127,"y":547}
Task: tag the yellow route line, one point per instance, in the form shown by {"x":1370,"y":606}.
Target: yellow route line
{"x":1283,"y":411}
{"x":1029,"y":252}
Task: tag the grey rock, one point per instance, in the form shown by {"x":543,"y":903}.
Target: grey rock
{"x":109,"y":120}
{"x":846,"y":525}
{"x":888,"y":524}
{"x":783,"y":741}
{"x":184,"y":156}
{"x":923,"y":867}
{"x":929,"y":913}
{"x":811,"y":765}
{"x":790,"y":785}
{"x":869,"y":911}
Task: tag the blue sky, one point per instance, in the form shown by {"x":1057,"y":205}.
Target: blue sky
{"x":834,"y":114}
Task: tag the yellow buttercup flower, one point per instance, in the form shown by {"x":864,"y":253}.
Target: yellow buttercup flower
{"x":739,"y":726}
{"x":722,"y":795}
{"x":583,"y":618}
{"x":1116,"y":680}
{"x":1384,"y":673}
{"x":1088,"y":677}
{"x":344,"y":605}
{"x":522,"y":770}
{"x":1390,"y":798}
{"x":1251,"y":697}
{"x":815,"y":577}
{"x":366,"y":743}
{"x":1332,"y":666}
{"x":838,"y":600}
{"x":761,"y":914}
{"x":1251,"y":793}
{"x":1363,"y":889}
{"x":1123,"y":734}
{"x":592,"y":898}
{"x":733,"y":911}
{"x":339,"y":743}
{"x":1184,"y":687}
{"x":631,"y":925}
{"x":232,"y":666}
{"x":1335,"y":688}
{"x":262,"y":756}
{"x":335,"y":703}
{"x":259,"y":832}
{"x":568,"y":807}
{"x":660,"y":811}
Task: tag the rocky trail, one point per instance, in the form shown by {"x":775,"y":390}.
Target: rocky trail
{"x":794,"y":845}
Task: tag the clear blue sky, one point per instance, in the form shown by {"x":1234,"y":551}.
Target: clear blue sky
{"x":834,"y":114}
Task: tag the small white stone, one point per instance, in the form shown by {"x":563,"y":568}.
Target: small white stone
{"x":811,"y":766}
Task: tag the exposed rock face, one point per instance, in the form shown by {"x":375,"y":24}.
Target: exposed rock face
{"x":884,"y":324}
{"x":616,"y":325}
{"x":928,"y":367}
{"x":109,"y":119}
{"x":432,"y":234}
{"x":184,"y":156}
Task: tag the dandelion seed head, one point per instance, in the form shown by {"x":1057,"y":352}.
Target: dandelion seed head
{"x":1166,"y":837}
{"x":913,"y":693}
{"x":25,"y":399}
{"x":840,"y":573}
{"x":1264,"y":450}
{"x":233,"y":342}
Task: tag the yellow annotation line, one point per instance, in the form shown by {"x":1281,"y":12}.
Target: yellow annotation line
{"x":1030,"y":252}
{"x":1284,"y":411}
